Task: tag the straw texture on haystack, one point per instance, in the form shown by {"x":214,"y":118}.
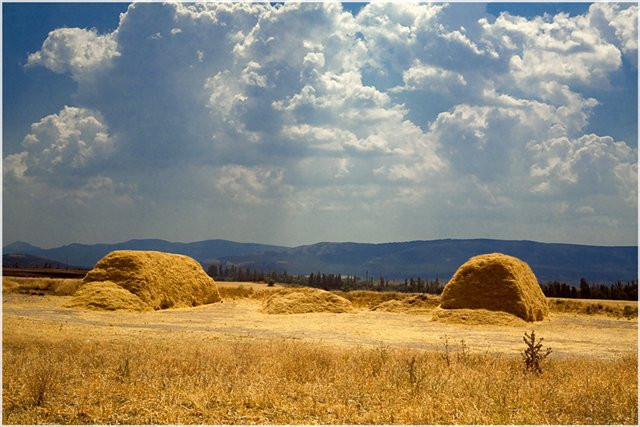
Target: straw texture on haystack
{"x":496,"y":282}
{"x":305,"y":300}
{"x":160,"y":280}
{"x":106,"y":296}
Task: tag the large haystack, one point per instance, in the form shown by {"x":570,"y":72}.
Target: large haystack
{"x":160,"y":280}
{"x":496,"y":282}
{"x":305,"y":300}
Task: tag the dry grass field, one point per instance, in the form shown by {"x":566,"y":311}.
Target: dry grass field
{"x":229,"y":363}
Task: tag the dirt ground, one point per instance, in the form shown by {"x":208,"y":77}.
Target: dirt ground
{"x":567,"y":334}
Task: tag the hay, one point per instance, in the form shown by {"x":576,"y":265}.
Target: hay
{"x":160,"y":280}
{"x":305,"y":300}
{"x":478,"y":316}
{"x":414,"y":304}
{"x":106,"y":296}
{"x":496,"y":282}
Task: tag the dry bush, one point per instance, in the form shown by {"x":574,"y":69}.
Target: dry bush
{"x":616,"y":309}
{"x":533,"y":355}
{"x":290,"y":382}
{"x":9,"y":285}
{"x":40,"y":285}
{"x":630,"y":312}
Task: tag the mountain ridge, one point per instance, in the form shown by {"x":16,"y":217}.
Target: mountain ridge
{"x":87,"y":255}
{"x":393,"y":260}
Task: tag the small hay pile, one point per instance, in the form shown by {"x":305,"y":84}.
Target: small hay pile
{"x":106,"y":296}
{"x":478,"y":316}
{"x":159,"y":280}
{"x":414,"y":303}
{"x":496,"y":282}
{"x":305,"y":300}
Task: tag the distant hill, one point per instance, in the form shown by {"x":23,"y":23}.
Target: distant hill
{"x":440,"y":258}
{"x":426,"y":259}
{"x":25,"y":265}
{"x":19,"y":248}
{"x":18,"y":260}
{"x":205,"y":252}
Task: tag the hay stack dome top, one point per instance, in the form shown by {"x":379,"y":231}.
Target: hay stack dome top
{"x":496,"y":282}
{"x":161,"y":280}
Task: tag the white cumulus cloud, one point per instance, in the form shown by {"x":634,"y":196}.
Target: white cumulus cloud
{"x":424,"y":118}
{"x":74,"y":139}
{"x":587,"y":165}
{"x":77,"y":51}
{"x":250,"y":185}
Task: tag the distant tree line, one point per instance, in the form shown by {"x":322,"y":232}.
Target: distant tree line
{"x":35,"y":265}
{"x":617,"y":291}
{"x":350,"y":283}
{"x":331,"y":282}
{"x":233,"y":273}
{"x":326,"y":281}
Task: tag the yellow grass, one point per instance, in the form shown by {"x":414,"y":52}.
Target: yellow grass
{"x":619,"y":309}
{"x":154,"y":381}
{"x":232,"y":364}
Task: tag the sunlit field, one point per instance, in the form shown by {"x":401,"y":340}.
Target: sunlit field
{"x":231,"y":363}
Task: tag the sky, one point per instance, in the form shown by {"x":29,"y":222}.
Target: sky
{"x":297,"y":123}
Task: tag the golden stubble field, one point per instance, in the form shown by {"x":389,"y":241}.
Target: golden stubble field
{"x":231,"y":363}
